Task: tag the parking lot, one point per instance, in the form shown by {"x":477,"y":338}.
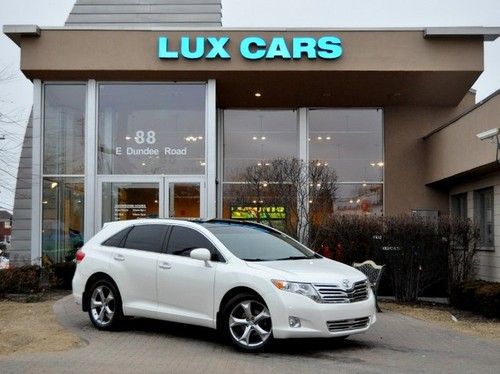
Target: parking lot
{"x":395,"y":344}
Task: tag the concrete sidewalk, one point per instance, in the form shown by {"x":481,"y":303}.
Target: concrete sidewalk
{"x":396,"y":344}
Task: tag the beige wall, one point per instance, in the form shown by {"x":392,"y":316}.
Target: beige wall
{"x":487,"y":261}
{"x":447,"y":148}
{"x":405,"y":156}
{"x":377,"y":68}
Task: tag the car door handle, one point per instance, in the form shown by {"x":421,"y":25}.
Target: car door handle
{"x":164,"y":265}
{"x":119,"y":257}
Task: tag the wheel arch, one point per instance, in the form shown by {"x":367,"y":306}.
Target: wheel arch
{"x":232,"y":293}
{"x":92,"y":279}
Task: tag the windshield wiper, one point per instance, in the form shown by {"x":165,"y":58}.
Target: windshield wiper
{"x":253,"y":259}
{"x":292,"y":258}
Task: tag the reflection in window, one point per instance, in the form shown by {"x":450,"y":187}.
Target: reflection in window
{"x":483,"y":216}
{"x":63,"y":126}
{"x":62,"y":218}
{"x":359,"y":199}
{"x":253,"y":136}
{"x":151,"y":129}
{"x":459,"y":205}
{"x":349,"y":141}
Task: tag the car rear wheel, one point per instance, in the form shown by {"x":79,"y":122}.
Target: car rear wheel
{"x":247,"y":322}
{"x":105,"y":305}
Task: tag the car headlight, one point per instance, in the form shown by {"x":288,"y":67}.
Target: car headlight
{"x":305,"y":289}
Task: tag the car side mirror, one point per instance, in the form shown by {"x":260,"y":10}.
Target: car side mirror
{"x":201,"y":254}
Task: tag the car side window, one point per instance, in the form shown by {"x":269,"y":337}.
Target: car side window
{"x":146,"y":238}
{"x":117,"y":239}
{"x":183,"y":240}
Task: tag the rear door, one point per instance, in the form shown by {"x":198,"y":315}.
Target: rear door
{"x":134,"y":267}
{"x":185,"y":285}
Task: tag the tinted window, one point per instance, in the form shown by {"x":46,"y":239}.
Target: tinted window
{"x":146,"y":238}
{"x":183,"y":240}
{"x":117,"y":239}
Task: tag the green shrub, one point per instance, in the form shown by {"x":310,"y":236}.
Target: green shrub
{"x":478,"y":296}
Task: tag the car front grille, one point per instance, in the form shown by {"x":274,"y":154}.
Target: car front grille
{"x":333,"y":294}
{"x":348,"y":324}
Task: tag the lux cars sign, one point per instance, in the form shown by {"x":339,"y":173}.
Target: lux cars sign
{"x":252,"y":48}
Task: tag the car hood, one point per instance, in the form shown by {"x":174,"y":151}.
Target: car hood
{"x":316,"y":270}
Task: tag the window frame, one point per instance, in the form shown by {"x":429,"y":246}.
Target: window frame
{"x":166,"y":243}
{"x":130,"y":228}
{"x":458,"y":199}
{"x":480,"y":217}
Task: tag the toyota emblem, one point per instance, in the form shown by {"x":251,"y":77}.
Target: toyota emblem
{"x":346,"y":283}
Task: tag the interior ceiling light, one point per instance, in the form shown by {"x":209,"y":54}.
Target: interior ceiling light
{"x":128,"y":138}
{"x":53,"y":185}
{"x":328,"y":138}
{"x":254,"y":137}
{"x":380,"y":164}
{"x":263,"y":137}
{"x":258,"y":94}
{"x":320,"y":138}
{"x":373,"y":164}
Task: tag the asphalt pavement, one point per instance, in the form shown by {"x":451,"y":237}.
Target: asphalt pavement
{"x":395,"y":344}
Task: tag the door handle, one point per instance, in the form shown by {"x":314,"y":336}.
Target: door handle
{"x":119,"y":257}
{"x":164,"y":265}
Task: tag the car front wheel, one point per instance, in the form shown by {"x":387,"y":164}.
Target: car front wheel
{"x":247,"y":322}
{"x":105,"y":310}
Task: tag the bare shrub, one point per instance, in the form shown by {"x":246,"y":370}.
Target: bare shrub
{"x":306,"y":191}
{"x":418,"y":253}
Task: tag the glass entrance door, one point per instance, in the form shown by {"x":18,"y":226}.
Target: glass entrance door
{"x":184,"y":199}
{"x":124,"y":198}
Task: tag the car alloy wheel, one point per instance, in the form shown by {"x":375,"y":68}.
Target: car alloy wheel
{"x":105,"y":305}
{"x":250,"y":324}
{"x":102,"y":305}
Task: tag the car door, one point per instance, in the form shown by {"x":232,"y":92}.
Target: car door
{"x":134,"y":267}
{"x":186,"y":285}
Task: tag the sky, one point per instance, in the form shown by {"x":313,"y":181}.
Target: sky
{"x":16,"y":91}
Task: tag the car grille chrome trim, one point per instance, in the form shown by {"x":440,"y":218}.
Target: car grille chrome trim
{"x":333,"y":294}
{"x":348,"y":324}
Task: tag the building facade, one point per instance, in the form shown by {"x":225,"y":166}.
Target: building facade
{"x":162,"y":112}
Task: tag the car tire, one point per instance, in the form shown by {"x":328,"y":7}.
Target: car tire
{"x":246,"y":323}
{"x":105,"y":305}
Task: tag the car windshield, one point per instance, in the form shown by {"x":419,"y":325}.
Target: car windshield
{"x":256,"y":243}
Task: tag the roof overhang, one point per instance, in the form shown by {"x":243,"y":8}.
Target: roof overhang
{"x":379,"y":67}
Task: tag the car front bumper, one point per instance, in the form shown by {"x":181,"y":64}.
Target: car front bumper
{"x":314,"y":317}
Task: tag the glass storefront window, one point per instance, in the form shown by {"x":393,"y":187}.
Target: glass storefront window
{"x":254,"y":136}
{"x":63,"y":126}
{"x":151,"y":129}
{"x":62,"y":218}
{"x":359,"y":198}
{"x":259,"y":204}
{"x":348,"y":140}
{"x":122,"y":201}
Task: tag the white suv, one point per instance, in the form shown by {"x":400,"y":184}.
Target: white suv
{"x":252,"y":282}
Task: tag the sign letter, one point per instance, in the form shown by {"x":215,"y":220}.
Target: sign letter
{"x":218,"y":49}
{"x":163,"y":51}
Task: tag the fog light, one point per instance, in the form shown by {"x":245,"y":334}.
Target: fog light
{"x":294,"y":321}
